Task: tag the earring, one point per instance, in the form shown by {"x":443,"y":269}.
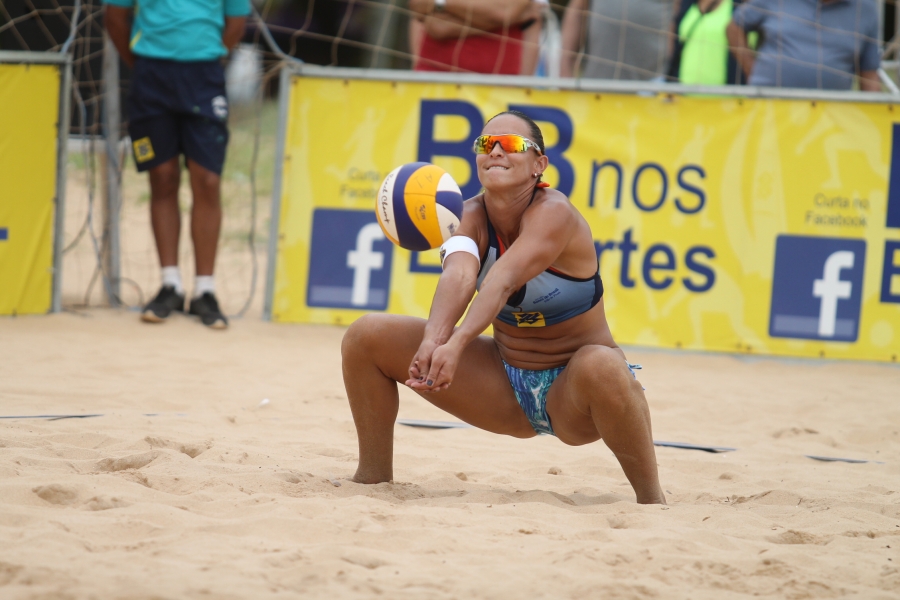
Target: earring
{"x":534,"y":174}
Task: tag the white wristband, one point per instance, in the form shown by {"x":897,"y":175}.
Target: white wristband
{"x":459,"y":243}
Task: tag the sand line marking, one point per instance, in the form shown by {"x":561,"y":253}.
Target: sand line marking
{"x":429,"y":424}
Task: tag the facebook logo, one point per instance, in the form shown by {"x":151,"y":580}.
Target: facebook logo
{"x":817,"y":288}
{"x":350,"y":261}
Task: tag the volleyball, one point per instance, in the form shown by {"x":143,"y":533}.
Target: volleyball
{"x":419,"y":206}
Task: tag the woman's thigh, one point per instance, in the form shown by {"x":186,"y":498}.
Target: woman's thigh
{"x":569,"y":400}
{"x":480,"y":393}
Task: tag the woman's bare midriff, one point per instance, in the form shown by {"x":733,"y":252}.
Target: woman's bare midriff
{"x":538,"y":348}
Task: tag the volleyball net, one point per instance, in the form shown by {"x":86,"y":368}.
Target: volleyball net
{"x":107,"y":251}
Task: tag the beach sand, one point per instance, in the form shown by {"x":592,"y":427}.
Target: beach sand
{"x":186,"y":488}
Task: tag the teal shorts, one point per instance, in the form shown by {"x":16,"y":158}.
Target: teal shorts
{"x":531,"y":389}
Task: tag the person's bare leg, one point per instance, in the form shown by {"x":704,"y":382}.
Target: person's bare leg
{"x":374,"y":401}
{"x":165,"y":217}
{"x":206,"y":216}
{"x":597,"y":397}
{"x":377,"y":350}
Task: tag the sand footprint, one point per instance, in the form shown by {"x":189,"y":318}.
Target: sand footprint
{"x":792,"y":536}
{"x":135,"y":461}
{"x":193,"y":450}
{"x":56,"y":493}
{"x":105,"y":503}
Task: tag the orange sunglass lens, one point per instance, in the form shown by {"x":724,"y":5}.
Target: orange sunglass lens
{"x":510,"y":143}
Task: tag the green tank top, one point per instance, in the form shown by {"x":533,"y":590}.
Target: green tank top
{"x":704,"y":59}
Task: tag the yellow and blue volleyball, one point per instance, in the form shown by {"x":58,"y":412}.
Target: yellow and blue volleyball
{"x":419,"y":206}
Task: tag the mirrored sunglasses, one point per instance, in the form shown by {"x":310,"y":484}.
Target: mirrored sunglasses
{"x":510,"y":142}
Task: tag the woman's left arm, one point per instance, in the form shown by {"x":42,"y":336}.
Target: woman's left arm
{"x":546,"y":230}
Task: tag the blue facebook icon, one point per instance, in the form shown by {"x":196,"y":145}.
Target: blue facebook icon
{"x":350,"y":261}
{"x":817,"y":288}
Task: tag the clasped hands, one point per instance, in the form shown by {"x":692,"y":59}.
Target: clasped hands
{"x":434,"y":365}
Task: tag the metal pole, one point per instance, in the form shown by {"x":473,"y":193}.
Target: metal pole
{"x":597,"y":86}
{"x":897,"y":33}
{"x":62,"y":159}
{"x":112,"y":200}
{"x":284,"y":94}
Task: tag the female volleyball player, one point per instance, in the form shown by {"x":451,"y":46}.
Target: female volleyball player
{"x":552,"y":365}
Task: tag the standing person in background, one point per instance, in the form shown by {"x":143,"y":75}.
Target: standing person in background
{"x":701,"y":55}
{"x":622,"y":39}
{"x":498,"y":37}
{"x":817,"y":44}
{"x":177,"y":105}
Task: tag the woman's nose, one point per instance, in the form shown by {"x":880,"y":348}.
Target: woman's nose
{"x":497,"y":149}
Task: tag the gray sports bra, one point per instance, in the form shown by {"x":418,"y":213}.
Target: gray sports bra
{"x":550,"y":298}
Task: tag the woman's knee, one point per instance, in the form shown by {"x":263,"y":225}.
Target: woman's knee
{"x":602,"y":371}
{"x":597,"y":362}
{"x":362,"y":336}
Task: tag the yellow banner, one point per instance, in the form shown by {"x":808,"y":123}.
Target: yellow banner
{"x":29,"y":110}
{"x":763,"y":226}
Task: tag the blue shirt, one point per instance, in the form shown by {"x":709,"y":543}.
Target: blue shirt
{"x":182,"y":30}
{"x":810,"y":43}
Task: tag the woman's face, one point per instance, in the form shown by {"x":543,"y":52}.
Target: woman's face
{"x":498,"y":170}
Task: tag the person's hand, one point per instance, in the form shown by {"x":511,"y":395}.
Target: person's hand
{"x":421,"y":362}
{"x":423,"y":7}
{"x":433,"y":366}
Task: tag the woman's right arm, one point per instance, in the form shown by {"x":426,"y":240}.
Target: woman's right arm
{"x":455,"y":290}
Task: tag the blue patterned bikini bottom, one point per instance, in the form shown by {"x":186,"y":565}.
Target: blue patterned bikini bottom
{"x":531,"y":389}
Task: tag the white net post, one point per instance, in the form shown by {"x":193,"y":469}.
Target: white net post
{"x":112,"y":196}
{"x":62,"y":159}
